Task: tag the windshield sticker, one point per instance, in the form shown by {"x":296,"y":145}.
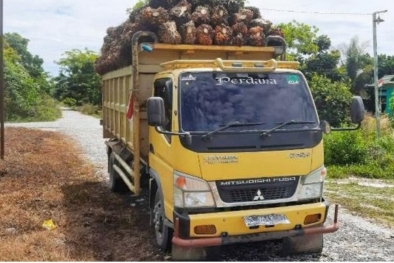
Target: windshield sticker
{"x":249,"y":80}
{"x":293,"y":79}
{"x":189,"y":78}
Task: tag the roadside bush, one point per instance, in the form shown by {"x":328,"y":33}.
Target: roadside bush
{"x":90,"y":109}
{"x":360,"y":153}
{"x":342,"y":148}
{"x":70,"y":102}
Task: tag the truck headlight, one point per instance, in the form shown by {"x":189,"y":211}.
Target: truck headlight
{"x":312,"y":184}
{"x":191,"y":192}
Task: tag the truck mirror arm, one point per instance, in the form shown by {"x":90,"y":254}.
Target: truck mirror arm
{"x":347,"y":128}
{"x":185,"y":135}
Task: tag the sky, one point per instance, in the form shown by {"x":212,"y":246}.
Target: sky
{"x":56,"y":26}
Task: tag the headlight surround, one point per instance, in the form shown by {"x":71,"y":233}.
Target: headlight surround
{"x":312,"y":184}
{"x":191,"y":192}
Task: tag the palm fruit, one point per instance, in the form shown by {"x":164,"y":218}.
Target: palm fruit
{"x":167,"y":4}
{"x":256,"y":36}
{"x":201,"y":15}
{"x":233,"y":6}
{"x":240,"y":28}
{"x":223,"y":35}
{"x":275,"y":31}
{"x":239,"y":39}
{"x":205,"y":34}
{"x":244,"y":15}
{"x":255,"y":10}
{"x":265,"y":24}
{"x":152,"y":16}
{"x":189,"y":33}
{"x":219,"y":15}
{"x":168,"y":33}
{"x":181,"y":13}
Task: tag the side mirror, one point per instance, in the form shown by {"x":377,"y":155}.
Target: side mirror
{"x":357,"y":110}
{"x":156,"y":112}
{"x":325,"y":127}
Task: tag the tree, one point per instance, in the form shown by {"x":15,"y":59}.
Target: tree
{"x":24,"y":98}
{"x":332,"y":99}
{"x":31,"y":63}
{"x":356,"y":63}
{"x":77,"y":78}
{"x":311,"y":50}
{"x":386,"y":65}
{"x":300,"y":38}
{"x":323,"y":64}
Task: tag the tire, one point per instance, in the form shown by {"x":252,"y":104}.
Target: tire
{"x":116,"y":183}
{"x":162,"y":232}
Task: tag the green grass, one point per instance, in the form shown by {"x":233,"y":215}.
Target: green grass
{"x":371,"y":170}
{"x":367,"y":201}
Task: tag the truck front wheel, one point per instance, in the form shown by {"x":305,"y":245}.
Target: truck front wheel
{"x":162,"y":231}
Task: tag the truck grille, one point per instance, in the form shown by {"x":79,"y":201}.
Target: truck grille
{"x":257,"y":190}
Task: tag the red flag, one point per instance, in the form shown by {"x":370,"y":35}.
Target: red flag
{"x":130,"y":109}
{"x":380,"y":82}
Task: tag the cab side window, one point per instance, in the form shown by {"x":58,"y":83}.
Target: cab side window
{"x":164,"y":90}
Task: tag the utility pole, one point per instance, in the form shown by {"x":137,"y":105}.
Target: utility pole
{"x":376,"y":20}
{"x":2,"y":117}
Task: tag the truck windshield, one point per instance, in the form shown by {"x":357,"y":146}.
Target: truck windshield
{"x":210,"y":100}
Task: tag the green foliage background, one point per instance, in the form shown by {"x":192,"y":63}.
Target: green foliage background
{"x":27,"y":92}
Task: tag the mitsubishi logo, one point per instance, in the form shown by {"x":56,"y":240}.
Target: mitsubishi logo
{"x":259,"y":196}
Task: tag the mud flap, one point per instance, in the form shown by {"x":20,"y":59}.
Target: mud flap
{"x":303,"y":244}
{"x":187,"y":254}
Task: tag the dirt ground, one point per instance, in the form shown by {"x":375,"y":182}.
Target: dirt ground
{"x":42,"y":178}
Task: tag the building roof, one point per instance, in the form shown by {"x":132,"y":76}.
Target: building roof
{"x":387,"y":79}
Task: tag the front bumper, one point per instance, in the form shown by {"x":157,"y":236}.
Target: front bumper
{"x":257,"y":236}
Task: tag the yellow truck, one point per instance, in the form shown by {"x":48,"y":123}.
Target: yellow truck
{"x":225,"y":140}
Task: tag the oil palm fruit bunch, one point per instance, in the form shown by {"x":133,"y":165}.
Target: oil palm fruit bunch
{"x":275,"y":31}
{"x":255,"y":10}
{"x":239,"y":39}
{"x":189,"y":33}
{"x":265,"y":24}
{"x":240,"y":28}
{"x":233,"y":6}
{"x":205,"y":34}
{"x":168,"y":4}
{"x":219,"y":15}
{"x":135,"y":13}
{"x":223,"y":35}
{"x":244,"y":15}
{"x":153,"y":16}
{"x":169,"y":34}
{"x":181,"y":13}
{"x":256,"y":36}
{"x":201,"y":15}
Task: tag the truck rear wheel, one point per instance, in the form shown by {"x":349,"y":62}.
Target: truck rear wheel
{"x":162,"y":231}
{"x":116,"y":183}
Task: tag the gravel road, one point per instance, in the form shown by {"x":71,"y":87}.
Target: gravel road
{"x":358,"y":239}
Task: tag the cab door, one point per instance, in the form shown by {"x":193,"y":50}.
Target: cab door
{"x":161,"y":157}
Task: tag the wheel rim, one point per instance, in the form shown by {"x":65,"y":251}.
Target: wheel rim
{"x":158,"y":221}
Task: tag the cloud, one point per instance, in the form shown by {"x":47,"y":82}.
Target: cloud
{"x":54,"y":27}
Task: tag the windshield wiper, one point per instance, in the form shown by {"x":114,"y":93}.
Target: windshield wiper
{"x":208,"y":136}
{"x":268,"y":132}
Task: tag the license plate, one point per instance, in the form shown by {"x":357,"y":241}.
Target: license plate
{"x":266,"y":220}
